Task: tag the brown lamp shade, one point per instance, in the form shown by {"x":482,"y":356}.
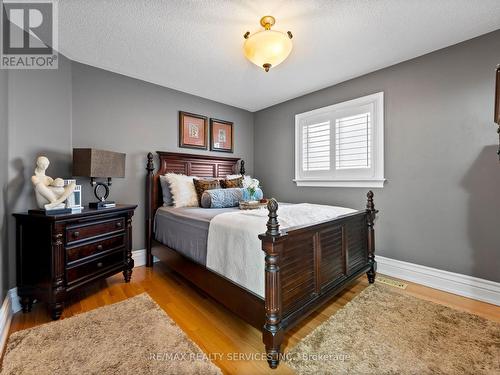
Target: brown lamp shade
{"x":89,"y":162}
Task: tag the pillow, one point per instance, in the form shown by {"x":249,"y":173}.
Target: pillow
{"x":165,"y":188}
{"x":201,"y":185}
{"x":233,"y":183}
{"x":221,"y":198}
{"x":182,"y":189}
{"x":247,"y":180}
{"x":224,"y":198}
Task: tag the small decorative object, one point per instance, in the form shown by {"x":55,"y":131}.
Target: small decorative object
{"x":74,"y":201}
{"x":50,"y":193}
{"x":267,"y":48}
{"x":221,"y":135}
{"x":252,"y":188}
{"x":497,"y":107}
{"x":254,"y":205}
{"x":193,"y":130}
{"x":89,"y":162}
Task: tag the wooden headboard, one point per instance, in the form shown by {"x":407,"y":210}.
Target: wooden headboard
{"x":188,"y":164}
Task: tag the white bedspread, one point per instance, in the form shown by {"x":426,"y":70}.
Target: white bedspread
{"x":234,"y":249}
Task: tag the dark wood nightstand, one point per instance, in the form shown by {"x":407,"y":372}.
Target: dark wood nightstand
{"x":57,"y":254}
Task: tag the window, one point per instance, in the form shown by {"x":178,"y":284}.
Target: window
{"x":342,"y":144}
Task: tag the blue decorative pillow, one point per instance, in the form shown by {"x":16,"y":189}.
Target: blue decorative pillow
{"x":223,"y":198}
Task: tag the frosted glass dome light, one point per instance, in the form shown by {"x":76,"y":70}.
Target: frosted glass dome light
{"x":267,"y":48}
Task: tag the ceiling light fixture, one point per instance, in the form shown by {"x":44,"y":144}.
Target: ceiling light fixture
{"x":267,"y":48}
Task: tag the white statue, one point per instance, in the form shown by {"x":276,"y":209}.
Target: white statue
{"x":50,"y":193}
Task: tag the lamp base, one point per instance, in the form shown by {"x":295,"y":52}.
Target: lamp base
{"x":101,"y":205}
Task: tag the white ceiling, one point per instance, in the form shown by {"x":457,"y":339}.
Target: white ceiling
{"x":195,"y":46}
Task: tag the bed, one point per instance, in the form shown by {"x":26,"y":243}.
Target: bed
{"x":297,"y":268}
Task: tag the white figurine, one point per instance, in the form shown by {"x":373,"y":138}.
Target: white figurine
{"x":50,"y":193}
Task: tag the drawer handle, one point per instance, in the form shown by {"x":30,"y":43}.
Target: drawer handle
{"x":99,"y":247}
{"x":119,"y":224}
{"x":76,"y":234}
{"x":99,"y":264}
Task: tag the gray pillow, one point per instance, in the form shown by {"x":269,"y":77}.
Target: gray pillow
{"x":167,"y":194}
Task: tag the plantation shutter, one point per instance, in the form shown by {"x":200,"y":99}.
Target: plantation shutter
{"x":316,"y":147}
{"x":353,"y":142}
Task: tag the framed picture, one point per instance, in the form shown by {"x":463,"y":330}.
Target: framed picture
{"x":193,"y":130}
{"x":221,"y":135}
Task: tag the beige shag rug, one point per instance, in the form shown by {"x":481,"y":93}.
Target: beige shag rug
{"x":130,"y":337}
{"x":383,"y":331}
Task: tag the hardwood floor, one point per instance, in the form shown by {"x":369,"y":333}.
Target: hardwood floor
{"x":212,"y":327}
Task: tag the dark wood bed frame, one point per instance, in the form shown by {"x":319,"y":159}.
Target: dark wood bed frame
{"x":304,"y":266}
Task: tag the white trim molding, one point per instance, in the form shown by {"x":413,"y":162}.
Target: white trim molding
{"x":5,"y":320}
{"x":139,"y":257}
{"x":463,"y":285}
{"x":14,"y":300}
{"x":342,"y":183}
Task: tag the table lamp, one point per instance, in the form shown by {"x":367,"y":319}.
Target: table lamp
{"x":93,"y":163}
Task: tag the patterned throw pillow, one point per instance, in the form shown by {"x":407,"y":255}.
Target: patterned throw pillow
{"x":233,"y":183}
{"x":247,"y":180}
{"x":224,"y":198}
{"x":201,"y":185}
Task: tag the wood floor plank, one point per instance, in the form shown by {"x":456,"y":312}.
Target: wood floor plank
{"x":214,"y":329}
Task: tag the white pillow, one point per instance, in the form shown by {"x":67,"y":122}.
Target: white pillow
{"x":247,"y":180}
{"x":182,"y":189}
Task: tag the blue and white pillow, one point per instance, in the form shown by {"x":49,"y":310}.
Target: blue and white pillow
{"x":224,"y":198}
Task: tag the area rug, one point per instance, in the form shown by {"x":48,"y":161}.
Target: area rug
{"x":383,"y":331}
{"x":131,"y":337}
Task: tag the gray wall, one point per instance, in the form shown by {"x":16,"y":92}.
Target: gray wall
{"x":118,"y":113}
{"x":440,"y":206}
{"x":4,"y":256}
{"x":50,"y":112}
{"x":39,"y":124}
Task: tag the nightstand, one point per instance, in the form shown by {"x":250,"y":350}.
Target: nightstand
{"x":57,"y":254}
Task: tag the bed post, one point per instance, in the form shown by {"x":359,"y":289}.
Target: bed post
{"x":272,"y":244}
{"x":242,"y":167}
{"x":371,"y":213}
{"x":149,"y":201}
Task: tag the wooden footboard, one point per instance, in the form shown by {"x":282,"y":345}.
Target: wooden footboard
{"x":306,"y":266}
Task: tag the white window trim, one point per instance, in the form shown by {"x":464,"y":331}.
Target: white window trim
{"x":377,"y":181}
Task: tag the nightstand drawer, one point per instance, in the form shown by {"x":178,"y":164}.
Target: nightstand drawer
{"x":74,"y":254}
{"x":102,"y":264}
{"x":82,"y":231}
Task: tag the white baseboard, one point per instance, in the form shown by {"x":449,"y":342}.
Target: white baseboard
{"x":139,"y":257}
{"x":463,"y":285}
{"x":14,"y":300}
{"x":5,"y":320}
